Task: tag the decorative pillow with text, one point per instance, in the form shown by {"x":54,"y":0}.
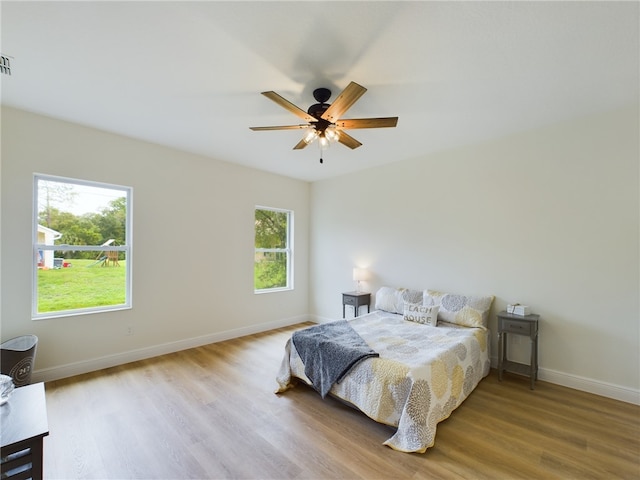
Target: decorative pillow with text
{"x":416,"y":312}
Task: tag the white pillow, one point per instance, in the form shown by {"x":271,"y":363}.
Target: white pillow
{"x":392,"y":300}
{"x":416,"y":312}
{"x":461,"y":310}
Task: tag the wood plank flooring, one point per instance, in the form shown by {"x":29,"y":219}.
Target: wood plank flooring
{"x":210,"y":413}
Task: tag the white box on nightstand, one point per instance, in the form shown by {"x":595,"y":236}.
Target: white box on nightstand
{"x":518,"y":309}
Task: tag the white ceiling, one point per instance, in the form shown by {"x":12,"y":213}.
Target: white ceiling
{"x":189,"y":74}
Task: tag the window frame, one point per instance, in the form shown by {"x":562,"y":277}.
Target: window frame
{"x":127,"y":248}
{"x":288,"y":250}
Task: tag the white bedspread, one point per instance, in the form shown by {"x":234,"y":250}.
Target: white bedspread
{"x":422,"y":375}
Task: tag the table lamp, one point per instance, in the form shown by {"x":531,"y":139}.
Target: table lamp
{"x":359,"y":274}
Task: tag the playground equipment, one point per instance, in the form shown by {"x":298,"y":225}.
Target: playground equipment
{"x":112,"y":256}
{"x":108,"y":257}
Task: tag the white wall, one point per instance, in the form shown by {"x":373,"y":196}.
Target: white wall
{"x":548,"y":218}
{"x":193,"y":245}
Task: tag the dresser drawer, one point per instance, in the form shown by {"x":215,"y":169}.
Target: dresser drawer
{"x":515,"y":326}
{"x":349,"y":300}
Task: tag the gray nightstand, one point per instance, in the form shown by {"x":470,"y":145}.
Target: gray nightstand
{"x":519,"y":325}
{"x":356,"y":300}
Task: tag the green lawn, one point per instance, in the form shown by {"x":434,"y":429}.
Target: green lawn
{"x":81,"y":286}
{"x":86,"y":284}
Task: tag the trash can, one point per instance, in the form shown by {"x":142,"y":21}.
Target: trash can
{"x":17,"y":357}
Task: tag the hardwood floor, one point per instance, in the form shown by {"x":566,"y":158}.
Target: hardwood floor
{"x":211,"y":413}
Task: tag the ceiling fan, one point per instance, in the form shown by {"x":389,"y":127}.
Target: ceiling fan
{"x":324,"y":121}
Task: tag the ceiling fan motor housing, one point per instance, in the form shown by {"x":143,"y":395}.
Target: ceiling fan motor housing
{"x":322,"y":95}
{"x":317,"y":109}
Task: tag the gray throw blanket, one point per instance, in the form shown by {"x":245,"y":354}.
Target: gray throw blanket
{"x":329,"y":351}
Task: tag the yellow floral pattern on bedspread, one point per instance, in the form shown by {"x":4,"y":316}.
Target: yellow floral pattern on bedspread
{"x":422,"y":375}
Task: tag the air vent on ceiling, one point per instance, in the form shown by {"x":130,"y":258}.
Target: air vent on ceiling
{"x":5,"y":64}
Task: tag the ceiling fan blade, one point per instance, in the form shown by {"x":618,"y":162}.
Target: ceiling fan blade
{"x":343,"y":102}
{"x":348,"y":140}
{"x":284,"y":103}
{"x":282,"y":127}
{"x":300,"y":145}
{"x":368,"y":122}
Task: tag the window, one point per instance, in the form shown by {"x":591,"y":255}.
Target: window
{"x":273,"y":250}
{"x":81,"y":247}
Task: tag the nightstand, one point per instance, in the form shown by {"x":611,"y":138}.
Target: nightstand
{"x":519,"y":325}
{"x":356,"y":300}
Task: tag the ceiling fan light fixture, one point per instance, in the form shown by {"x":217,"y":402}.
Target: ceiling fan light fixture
{"x":310,"y":136}
{"x":323,"y":141}
{"x":332,"y":134}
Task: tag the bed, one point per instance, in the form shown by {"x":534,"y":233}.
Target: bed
{"x":427,"y":366}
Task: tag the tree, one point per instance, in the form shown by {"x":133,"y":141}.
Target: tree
{"x":52,"y":194}
{"x":271,"y":229}
{"x":88,"y":229}
{"x":112,"y":221}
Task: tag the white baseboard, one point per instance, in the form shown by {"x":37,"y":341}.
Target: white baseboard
{"x":318,"y":319}
{"x":589,"y":385}
{"x":596,"y":387}
{"x":78,"y":368}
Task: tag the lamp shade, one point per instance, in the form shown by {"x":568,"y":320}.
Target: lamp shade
{"x":359,"y":274}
